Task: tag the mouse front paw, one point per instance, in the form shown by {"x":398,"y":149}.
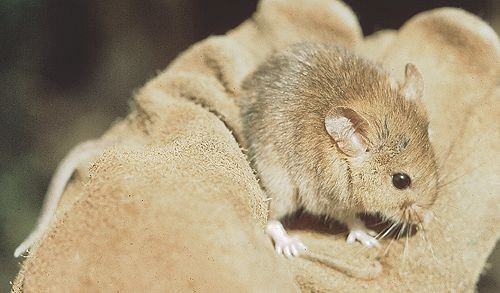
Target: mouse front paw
{"x":289,"y":246}
{"x":366,"y":237}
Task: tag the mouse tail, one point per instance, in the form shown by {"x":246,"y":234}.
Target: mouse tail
{"x":79,"y":154}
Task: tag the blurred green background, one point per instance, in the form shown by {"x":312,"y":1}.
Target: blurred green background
{"x":69,"y":68}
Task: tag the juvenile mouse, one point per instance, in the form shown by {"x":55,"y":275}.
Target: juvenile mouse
{"x":332,"y":133}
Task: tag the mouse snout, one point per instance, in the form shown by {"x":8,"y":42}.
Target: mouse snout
{"x":416,"y":214}
{"x":428,"y":216}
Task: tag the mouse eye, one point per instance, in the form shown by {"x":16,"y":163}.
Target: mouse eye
{"x":401,"y":180}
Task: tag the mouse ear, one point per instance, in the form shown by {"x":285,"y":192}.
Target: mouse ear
{"x":348,"y":129}
{"x":413,"y":86}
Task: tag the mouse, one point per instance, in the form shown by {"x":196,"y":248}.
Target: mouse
{"x":334,"y":134}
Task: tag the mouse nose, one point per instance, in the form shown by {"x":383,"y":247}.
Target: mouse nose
{"x":428,"y":217}
{"x":423,"y":216}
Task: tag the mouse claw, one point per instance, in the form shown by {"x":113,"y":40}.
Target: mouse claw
{"x":290,"y":247}
{"x":364,"y":236}
{"x":351,"y":238}
{"x":287,"y":252}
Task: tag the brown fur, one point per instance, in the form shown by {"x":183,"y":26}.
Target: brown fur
{"x":283,"y":121}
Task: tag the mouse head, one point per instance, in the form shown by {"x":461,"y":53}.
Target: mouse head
{"x":392,"y":166}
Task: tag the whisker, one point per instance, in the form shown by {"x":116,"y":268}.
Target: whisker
{"x":377,"y":224}
{"x":445,"y":183}
{"x":438,"y":220}
{"x":388,"y":231}
{"x":448,"y":182}
{"x":392,"y":240}
{"x":384,"y":220}
{"x":442,"y":225}
{"x":439,"y":229}
{"x":429,"y":244}
{"x":407,"y":246}
{"x":386,"y":228}
{"x":401,"y":231}
{"x":383,"y":230}
{"x":387,"y":248}
{"x":363,"y":248}
{"x":424,"y":234}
